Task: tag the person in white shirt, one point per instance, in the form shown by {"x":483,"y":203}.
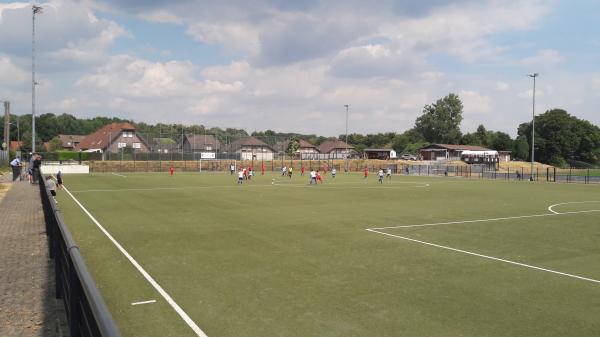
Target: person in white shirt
{"x":15,"y":164}
{"x":389,"y":173}
{"x":231,"y":168}
{"x":241,"y":176}
{"x":313,"y":176}
{"x":333,"y":172}
{"x":380,"y":175}
{"x":283,"y":171}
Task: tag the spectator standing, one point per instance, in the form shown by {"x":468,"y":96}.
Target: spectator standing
{"x":15,"y":165}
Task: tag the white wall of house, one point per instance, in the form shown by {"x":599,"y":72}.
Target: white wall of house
{"x":256,"y":153}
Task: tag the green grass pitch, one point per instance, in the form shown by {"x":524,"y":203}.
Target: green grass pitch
{"x":277,"y":257}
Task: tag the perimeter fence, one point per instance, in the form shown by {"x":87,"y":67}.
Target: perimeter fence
{"x":549,"y":174}
{"x":87,"y":314}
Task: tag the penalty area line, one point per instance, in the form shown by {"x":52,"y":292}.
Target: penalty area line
{"x":486,"y":256}
{"x":486,"y":220}
{"x":142,"y":271}
{"x":119,"y":175}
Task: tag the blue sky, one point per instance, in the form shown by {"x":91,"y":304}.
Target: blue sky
{"x":291,"y":66}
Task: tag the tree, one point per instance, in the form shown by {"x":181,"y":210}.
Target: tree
{"x":293,"y":146}
{"x":502,"y":142}
{"x":26,"y":139}
{"x":408,"y":142}
{"x":54,"y":144}
{"x":485,"y":137}
{"x":521,"y":148}
{"x":561,"y":138}
{"x":440,"y":122}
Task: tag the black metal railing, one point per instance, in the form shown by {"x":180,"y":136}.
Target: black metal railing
{"x":87,"y":314}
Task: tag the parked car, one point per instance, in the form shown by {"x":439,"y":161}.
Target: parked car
{"x":408,"y":156}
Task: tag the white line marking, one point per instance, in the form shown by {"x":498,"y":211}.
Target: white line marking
{"x":147,"y":276}
{"x":486,"y":256}
{"x":143,"y":302}
{"x":550,"y":208}
{"x":120,"y":175}
{"x":485,"y":220}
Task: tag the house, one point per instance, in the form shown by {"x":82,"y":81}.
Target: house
{"x":336,"y":149}
{"x":250,"y":148}
{"x":113,"y":137}
{"x":68,"y":142}
{"x":383,"y":154}
{"x":201,"y":144}
{"x":164,"y":145}
{"x":447,"y":151}
{"x":305,"y":147}
{"x":15,"y":145}
{"x":504,"y":156}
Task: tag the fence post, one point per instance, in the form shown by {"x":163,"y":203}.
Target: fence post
{"x":570,"y":172}
{"x":587,"y":177}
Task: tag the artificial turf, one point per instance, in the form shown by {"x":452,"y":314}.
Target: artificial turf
{"x":277,"y":257}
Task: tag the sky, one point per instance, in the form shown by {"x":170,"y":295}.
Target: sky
{"x":291,"y":66}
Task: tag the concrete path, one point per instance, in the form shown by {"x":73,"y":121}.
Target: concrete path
{"x":28,"y":307}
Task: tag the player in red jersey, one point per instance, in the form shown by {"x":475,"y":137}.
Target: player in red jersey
{"x":366,"y":172}
{"x":171,"y":170}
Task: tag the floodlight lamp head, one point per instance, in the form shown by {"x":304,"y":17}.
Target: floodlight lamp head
{"x":36,"y":9}
{"x":534,"y":75}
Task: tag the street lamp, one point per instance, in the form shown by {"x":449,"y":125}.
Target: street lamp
{"x":534,"y":75}
{"x":347,"y":106}
{"x":34,"y":10}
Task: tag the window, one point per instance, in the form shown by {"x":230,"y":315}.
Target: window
{"x":137,"y":145}
{"x":128,"y":134}
{"x":208,"y":148}
{"x":121,"y":145}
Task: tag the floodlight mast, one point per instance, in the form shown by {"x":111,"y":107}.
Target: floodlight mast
{"x":34,"y":10}
{"x":347,"y":106}
{"x":534,"y":75}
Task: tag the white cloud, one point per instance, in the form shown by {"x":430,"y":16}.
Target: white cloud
{"x":596,"y":85}
{"x":286,"y":64}
{"x":68,"y":36}
{"x":502,"y":86}
{"x":12,"y":75}
{"x":543,"y":58}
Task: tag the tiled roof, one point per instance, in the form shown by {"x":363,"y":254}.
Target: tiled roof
{"x":330,"y":145}
{"x":70,"y":140}
{"x":249,"y":142}
{"x":15,"y":145}
{"x":303,"y":144}
{"x":456,"y":147}
{"x":378,"y":150}
{"x":200,"y":141}
{"x":103,"y":137}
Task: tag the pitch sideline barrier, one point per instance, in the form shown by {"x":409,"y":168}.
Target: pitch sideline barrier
{"x":87,"y":314}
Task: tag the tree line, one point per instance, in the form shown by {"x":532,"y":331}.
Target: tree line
{"x":560,"y":138}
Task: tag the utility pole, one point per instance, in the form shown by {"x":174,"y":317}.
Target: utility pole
{"x":6,"y":144}
{"x":533,"y":126}
{"x":35,"y":10}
